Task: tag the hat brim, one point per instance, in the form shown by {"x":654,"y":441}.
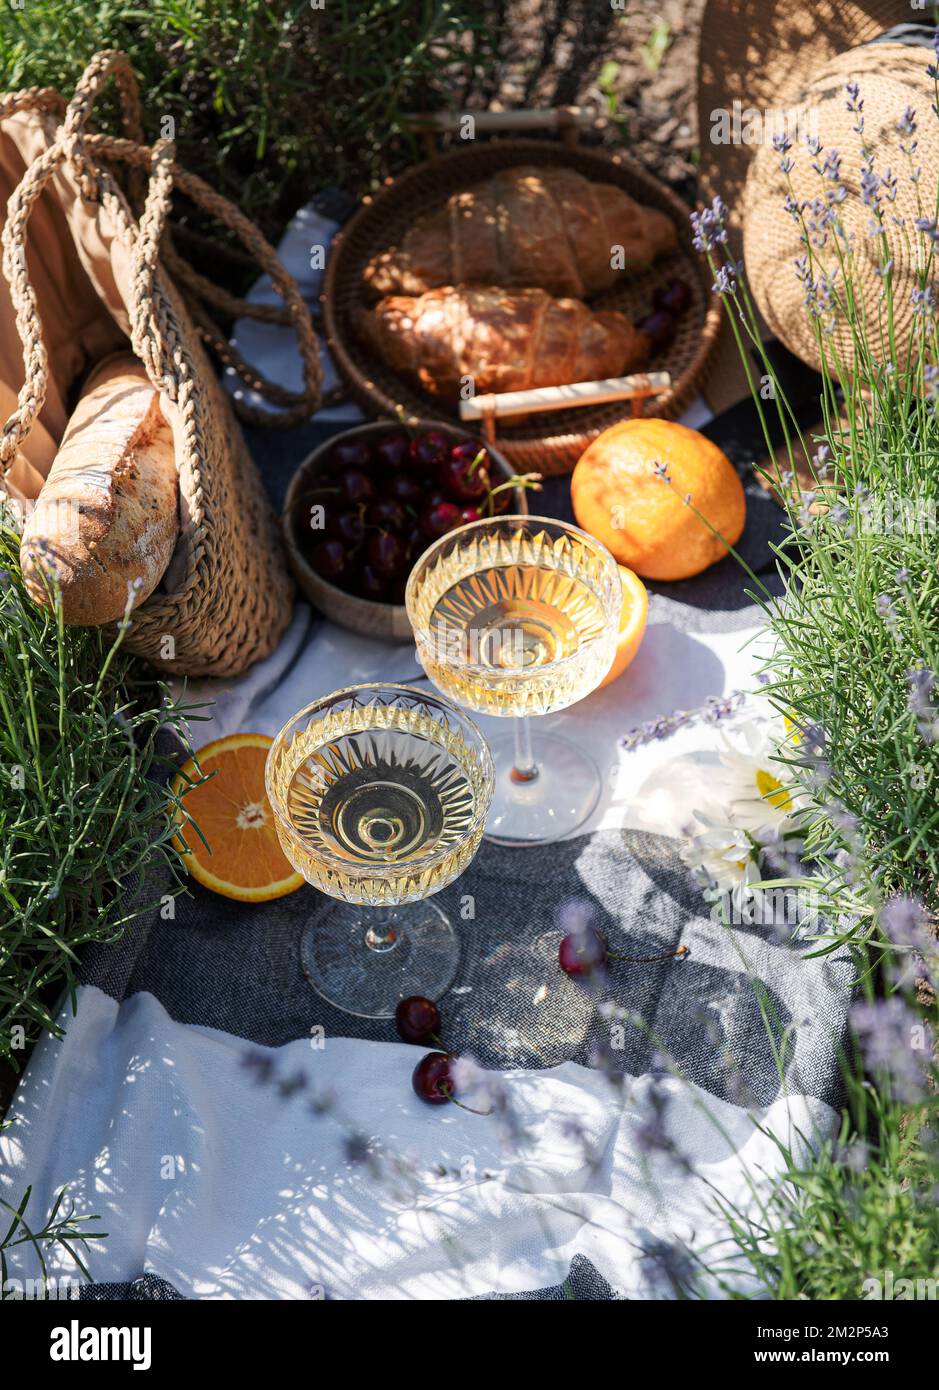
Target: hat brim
{"x":758,"y":56}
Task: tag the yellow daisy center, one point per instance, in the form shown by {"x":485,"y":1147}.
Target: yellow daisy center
{"x":772,"y":790}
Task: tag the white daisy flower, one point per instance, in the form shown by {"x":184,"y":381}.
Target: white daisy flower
{"x":756,"y":792}
{"x":727,"y":862}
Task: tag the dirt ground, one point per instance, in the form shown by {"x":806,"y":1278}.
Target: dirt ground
{"x":636,"y":67}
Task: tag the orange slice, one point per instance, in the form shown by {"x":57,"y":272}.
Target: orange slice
{"x":632,"y":623}
{"x":244,"y":859}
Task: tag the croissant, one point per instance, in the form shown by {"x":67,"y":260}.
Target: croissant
{"x":503,"y":340}
{"x":526,"y":226}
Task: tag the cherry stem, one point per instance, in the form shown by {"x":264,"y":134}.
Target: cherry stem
{"x":446,"y":1089}
{"x":432,"y":1037}
{"x":647,"y":960}
{"x":532,"y":480}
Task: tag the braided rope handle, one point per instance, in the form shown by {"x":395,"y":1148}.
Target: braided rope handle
{"x":84,"y":150}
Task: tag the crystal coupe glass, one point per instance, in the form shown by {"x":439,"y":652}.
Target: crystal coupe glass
{"x":380,"y":794}
{"x":518,"y":616}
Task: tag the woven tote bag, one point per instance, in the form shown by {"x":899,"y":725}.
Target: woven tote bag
{"x":231,"y":596}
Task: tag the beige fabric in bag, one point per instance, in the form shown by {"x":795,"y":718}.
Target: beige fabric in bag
{"x":86,"y":276}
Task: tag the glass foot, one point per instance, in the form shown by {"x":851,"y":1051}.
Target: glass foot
{"x":556,"y":802}
{"x":363,"y":960}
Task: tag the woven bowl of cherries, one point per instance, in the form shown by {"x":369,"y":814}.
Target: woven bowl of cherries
{"x":365,"y":505}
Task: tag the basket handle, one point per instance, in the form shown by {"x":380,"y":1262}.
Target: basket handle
{"x":636,"y":388}
{"x":78,"y":146}
{"x":567,"y":120}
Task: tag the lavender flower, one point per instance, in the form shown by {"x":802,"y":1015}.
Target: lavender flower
{"x":896,"y":1044}
{"x":902,"y":919}
{"x":831,"y":166}
{"x":906,"y":125}
{"x":887,"y":610}
{"x":906,"y":924}
{"x":921,"y":682}
{"x":710,"y":226}
{"x":924,"y":302}
{"x":651,"y":1133}
{"x":725,"y":282}
{"x":806,"y":517}
{"x":671,"y":1269}
{"x":931,"y":383}
{"x":870,"y":188}
{"x":716,"y":708}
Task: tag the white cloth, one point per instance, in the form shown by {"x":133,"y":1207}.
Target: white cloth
{"x":227,"y":1190}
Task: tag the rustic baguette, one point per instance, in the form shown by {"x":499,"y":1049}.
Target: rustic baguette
{"x":543,"y":226}
{"x":499,"y":340}
{"x":106,"y":520}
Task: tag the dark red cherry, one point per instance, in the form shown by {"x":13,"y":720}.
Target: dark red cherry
{"x":439,"y":518}
{"x":352,"y":453}
{"x":415,"y":543}
{"x":431,"y":1078}
{"x":468,"y":514}
{"x":464,"y":482}
{"x":387,"y":514}
{"x":428,"y":449}
{"x":417,"y":1019}
{"x":582,"y":952}
{"x":659,"y":327}
{"x":346,"y":526}
{"x":404,"y":488}
{"x":469,"y":451}
{"x":386,"y":554}
{"x":391,"y":450}
{"x":329,"y":559}
{"x":356,"y":486}
{"x":370,"y":585}
{"x":674,"y":297}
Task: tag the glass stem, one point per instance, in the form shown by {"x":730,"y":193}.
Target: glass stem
{"x":524,"y":769}
{"x":382,"y":935}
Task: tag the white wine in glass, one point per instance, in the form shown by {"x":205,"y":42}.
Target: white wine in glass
{"x":516,"y":616}
{"x":380,"y":794}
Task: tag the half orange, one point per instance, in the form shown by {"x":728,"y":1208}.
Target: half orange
{"x":632,"y":623}
{"x":244,"y":859}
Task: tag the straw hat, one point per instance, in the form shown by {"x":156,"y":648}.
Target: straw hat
{"x":764,"y":66}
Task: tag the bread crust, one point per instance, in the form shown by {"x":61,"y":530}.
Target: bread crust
{"x":542,"y":226}
{"x":107,"y":518}
{"x":501,"y":340}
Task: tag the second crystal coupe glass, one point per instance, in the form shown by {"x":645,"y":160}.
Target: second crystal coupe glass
{"x":519,"y":615}
{"x":380,"y":794}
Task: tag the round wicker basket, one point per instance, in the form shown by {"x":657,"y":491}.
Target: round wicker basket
{"x":388,"y":621}
{"x":548,"y":443}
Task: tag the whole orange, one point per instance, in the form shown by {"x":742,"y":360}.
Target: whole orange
{"x":629,"y":488}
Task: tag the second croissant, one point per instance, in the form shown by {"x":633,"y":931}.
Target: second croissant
{"x":498,"y":340}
